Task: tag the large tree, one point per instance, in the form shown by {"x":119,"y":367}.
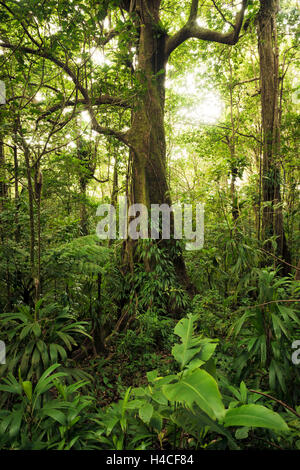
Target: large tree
{"x":146,"y":135}
{"x":153,"y":45}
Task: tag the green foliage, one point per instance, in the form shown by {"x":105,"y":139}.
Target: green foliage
{"x":192,"y":350}
{"x":189,"y":400}
{"x":266,"y":333}
{"x":72,"y":299}
{"x":257,"y":415}
{"x":158,"y":287}
{"x":38,"y":338}
{"x":83,"y":255}
{"x":37,"y":419}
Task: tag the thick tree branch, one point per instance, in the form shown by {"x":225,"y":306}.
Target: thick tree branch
{"x":103,"y":99}
{"x":86,"y":98}
{"x":192,"y":30}
{"x":108,"y":131}
{"x":193,"y":11}
{"x":47,"y":55}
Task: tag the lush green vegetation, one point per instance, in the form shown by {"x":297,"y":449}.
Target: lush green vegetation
{"x":141,"y":344}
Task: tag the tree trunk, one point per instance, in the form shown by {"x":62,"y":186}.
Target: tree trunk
{"x":17,"y":196}
{"x":83,"y":216}
{"x":31,"y":210}
{"x":233,"y":192}
{"x":231,"y":140}
{"x":115,"y":188}
{"x":147,"y":134}
{"x":3,"y":185}
{"x":272,"y":218}
{"x":297,"y":274}
{"x":87,"y":168}
{"x":38,"y":183}
{"x":3,"y":197}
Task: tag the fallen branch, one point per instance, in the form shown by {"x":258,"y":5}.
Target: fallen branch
{"x":278,"y":401}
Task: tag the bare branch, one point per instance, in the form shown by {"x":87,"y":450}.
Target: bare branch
{"x":100,"y":181}
{"x":248,"y":80}
{"x":278,"y":401}
{"x":222,"y":14}
{"x":108,"y":37}
{"x":47,"y":55}
{"x":21,"y":23}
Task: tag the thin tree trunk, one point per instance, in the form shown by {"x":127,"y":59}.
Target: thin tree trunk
{"x":114,"y":193}
{"x":82,"y":210}
{"x":232,"y":145}
{"x":3,"y":197}
{"x":38,"y":182}
{"x":297,"y":274}
{"x":17,"y":195}
{"x":31,"y":211}
{"x":3,"y":185}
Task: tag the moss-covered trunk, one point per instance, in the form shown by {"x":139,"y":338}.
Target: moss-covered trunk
{"x":147,"y":136}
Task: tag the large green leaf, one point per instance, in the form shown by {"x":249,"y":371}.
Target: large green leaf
{"x":55,"y":414}
{"x":146,"y":412}
{"x":194,"y":421}
{"x":184,"y":352}
{"x":288,"y":312}
{"x":191,"y":347}
{"x":15,"y":424}
{"x":200,"y":388}
{"x":46,"y":381}
{"x":255,"y":416}
{"x":27,"y":386}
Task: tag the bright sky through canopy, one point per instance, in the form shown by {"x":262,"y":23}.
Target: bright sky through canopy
{"x":207,"y":110}
{"x":204,"y":105}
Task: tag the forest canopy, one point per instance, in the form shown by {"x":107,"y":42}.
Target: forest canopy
{"x":149,"y":225}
